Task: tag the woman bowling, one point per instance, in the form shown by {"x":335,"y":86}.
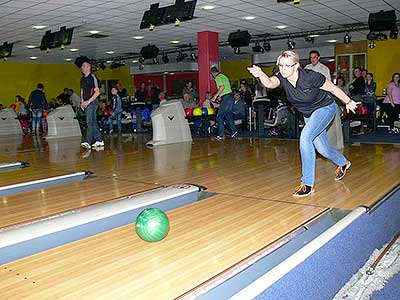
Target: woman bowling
{"x":310,"y":94}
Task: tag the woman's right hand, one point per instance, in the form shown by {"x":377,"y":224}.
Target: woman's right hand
{"x":256,"y":71}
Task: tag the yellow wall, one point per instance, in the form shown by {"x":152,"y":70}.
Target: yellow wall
{"x":22,"y":78}
{"x":383,"y":61}
{"x":236,"y":70}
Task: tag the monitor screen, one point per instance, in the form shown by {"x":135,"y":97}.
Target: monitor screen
{"x":63,"y":37}
{"x":154,"y":16}
{"x":181,"y":11}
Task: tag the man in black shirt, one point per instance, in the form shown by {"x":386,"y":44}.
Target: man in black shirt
{"x":64,"y":97}
{"x":357,"y":87}
{"x":310,"y":93}
{"x":89,"y":94}
{"x":37,"y":104}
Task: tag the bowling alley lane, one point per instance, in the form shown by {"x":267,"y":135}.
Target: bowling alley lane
{"x":205,"y":238}
{"x":27,"y":206}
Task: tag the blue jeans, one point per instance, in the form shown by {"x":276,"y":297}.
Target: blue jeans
{"x":36,"y":119}
{"x":119,"y":124}
{"x":93,"y":133}
{"x":225,"y":114}
{"x":313,"y":137}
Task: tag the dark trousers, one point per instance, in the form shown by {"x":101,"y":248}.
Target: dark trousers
{"x":225,"y":115}
{"x":93,"y":133}
{"x":392,"y":112}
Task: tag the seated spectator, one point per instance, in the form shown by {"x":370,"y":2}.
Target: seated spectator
{"x":75,"y":99}
{"x":22,"y":114}
{"x":53,"y":104}
{"x":239,"y":107}
{"x":342,"y":85}
{"x":122,"y":92}
{"x":189,"y":89}
{"x":207,"y":101}
{"x":141,"y":92}
{"x":369,"y":95}
{"x":64,"y":97}
{"x":161,"y":97}
{"x":246,"y":92}
{"x":187,"y":102}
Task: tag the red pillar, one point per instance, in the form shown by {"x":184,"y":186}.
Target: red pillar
{"x":207,"y":56}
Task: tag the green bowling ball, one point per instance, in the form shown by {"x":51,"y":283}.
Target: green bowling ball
{"x":152,"y":225}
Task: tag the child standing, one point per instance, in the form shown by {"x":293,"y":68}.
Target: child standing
{"x":116,"y":110}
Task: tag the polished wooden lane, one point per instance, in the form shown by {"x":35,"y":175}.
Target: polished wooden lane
{"x":28,"y":206}
{"x":268,"y":169}
{"x":265,"y":168}
{"x":206,"y":237}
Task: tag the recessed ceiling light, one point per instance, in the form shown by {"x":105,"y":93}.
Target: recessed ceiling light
{"x":134,"y":61}
{"x":33,"y":57}
{"x":39,"y":26}
{"x":94,"y":31}
{"x":248,"y":18}
{"x":332,"y":41}
{"x":281,"y":26}
{"x":74,"y":50}
{"x":175,"y":42}
{"x":110,"y":52}
{"x":208,"y":7}
{"x":171,"y":73}
{"x":313,"y":35}
{"x":331,"y":59}
{"x":138,"y":37}
{"x":109,"y":61}
{"x":30,"y":47}
{"x":68,"y":59}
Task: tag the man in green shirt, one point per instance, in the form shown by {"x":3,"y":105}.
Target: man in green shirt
{"x":225,"y":111}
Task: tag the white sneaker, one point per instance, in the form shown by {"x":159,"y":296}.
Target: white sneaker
{"x":99,"y":148}
{"x":85,"y":145}
{"x":98,"y":144}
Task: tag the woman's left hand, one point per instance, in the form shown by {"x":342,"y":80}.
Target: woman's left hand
{"x":352,"y":106}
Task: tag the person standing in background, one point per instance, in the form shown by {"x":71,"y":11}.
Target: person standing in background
{"x":334,"y":130}
{"x":90,"y":101}
{"x":225,"y":111}
{"x":37,"y":104}
{"x":116,"y":111}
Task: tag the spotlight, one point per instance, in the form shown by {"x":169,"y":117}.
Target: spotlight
{"x":309,"y":39}
{"x":382,"y":36}
{"x":371,"y":36}
{"x":291,"y":44}
{"x":151,"y":27}
{"x":193,"y":56}
{"x":177,"y":23}
{"x":236,"y":50}
{"x":181,"y":56}
{"x":165,"y":58}
{"x":155,"y":60}
{"x":394,"y":33}
{"x":371,"y":44}
{"x":141,"y":67}
{"x":267,"y":46}
{"x":257,"y":48}
{"x":141,"y":60}
{"x":347,"y":39}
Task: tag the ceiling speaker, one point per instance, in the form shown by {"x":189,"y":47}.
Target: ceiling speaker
{"x":382,"y":21}
{"x":149,"y":51}
{"x":239,"y":39}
